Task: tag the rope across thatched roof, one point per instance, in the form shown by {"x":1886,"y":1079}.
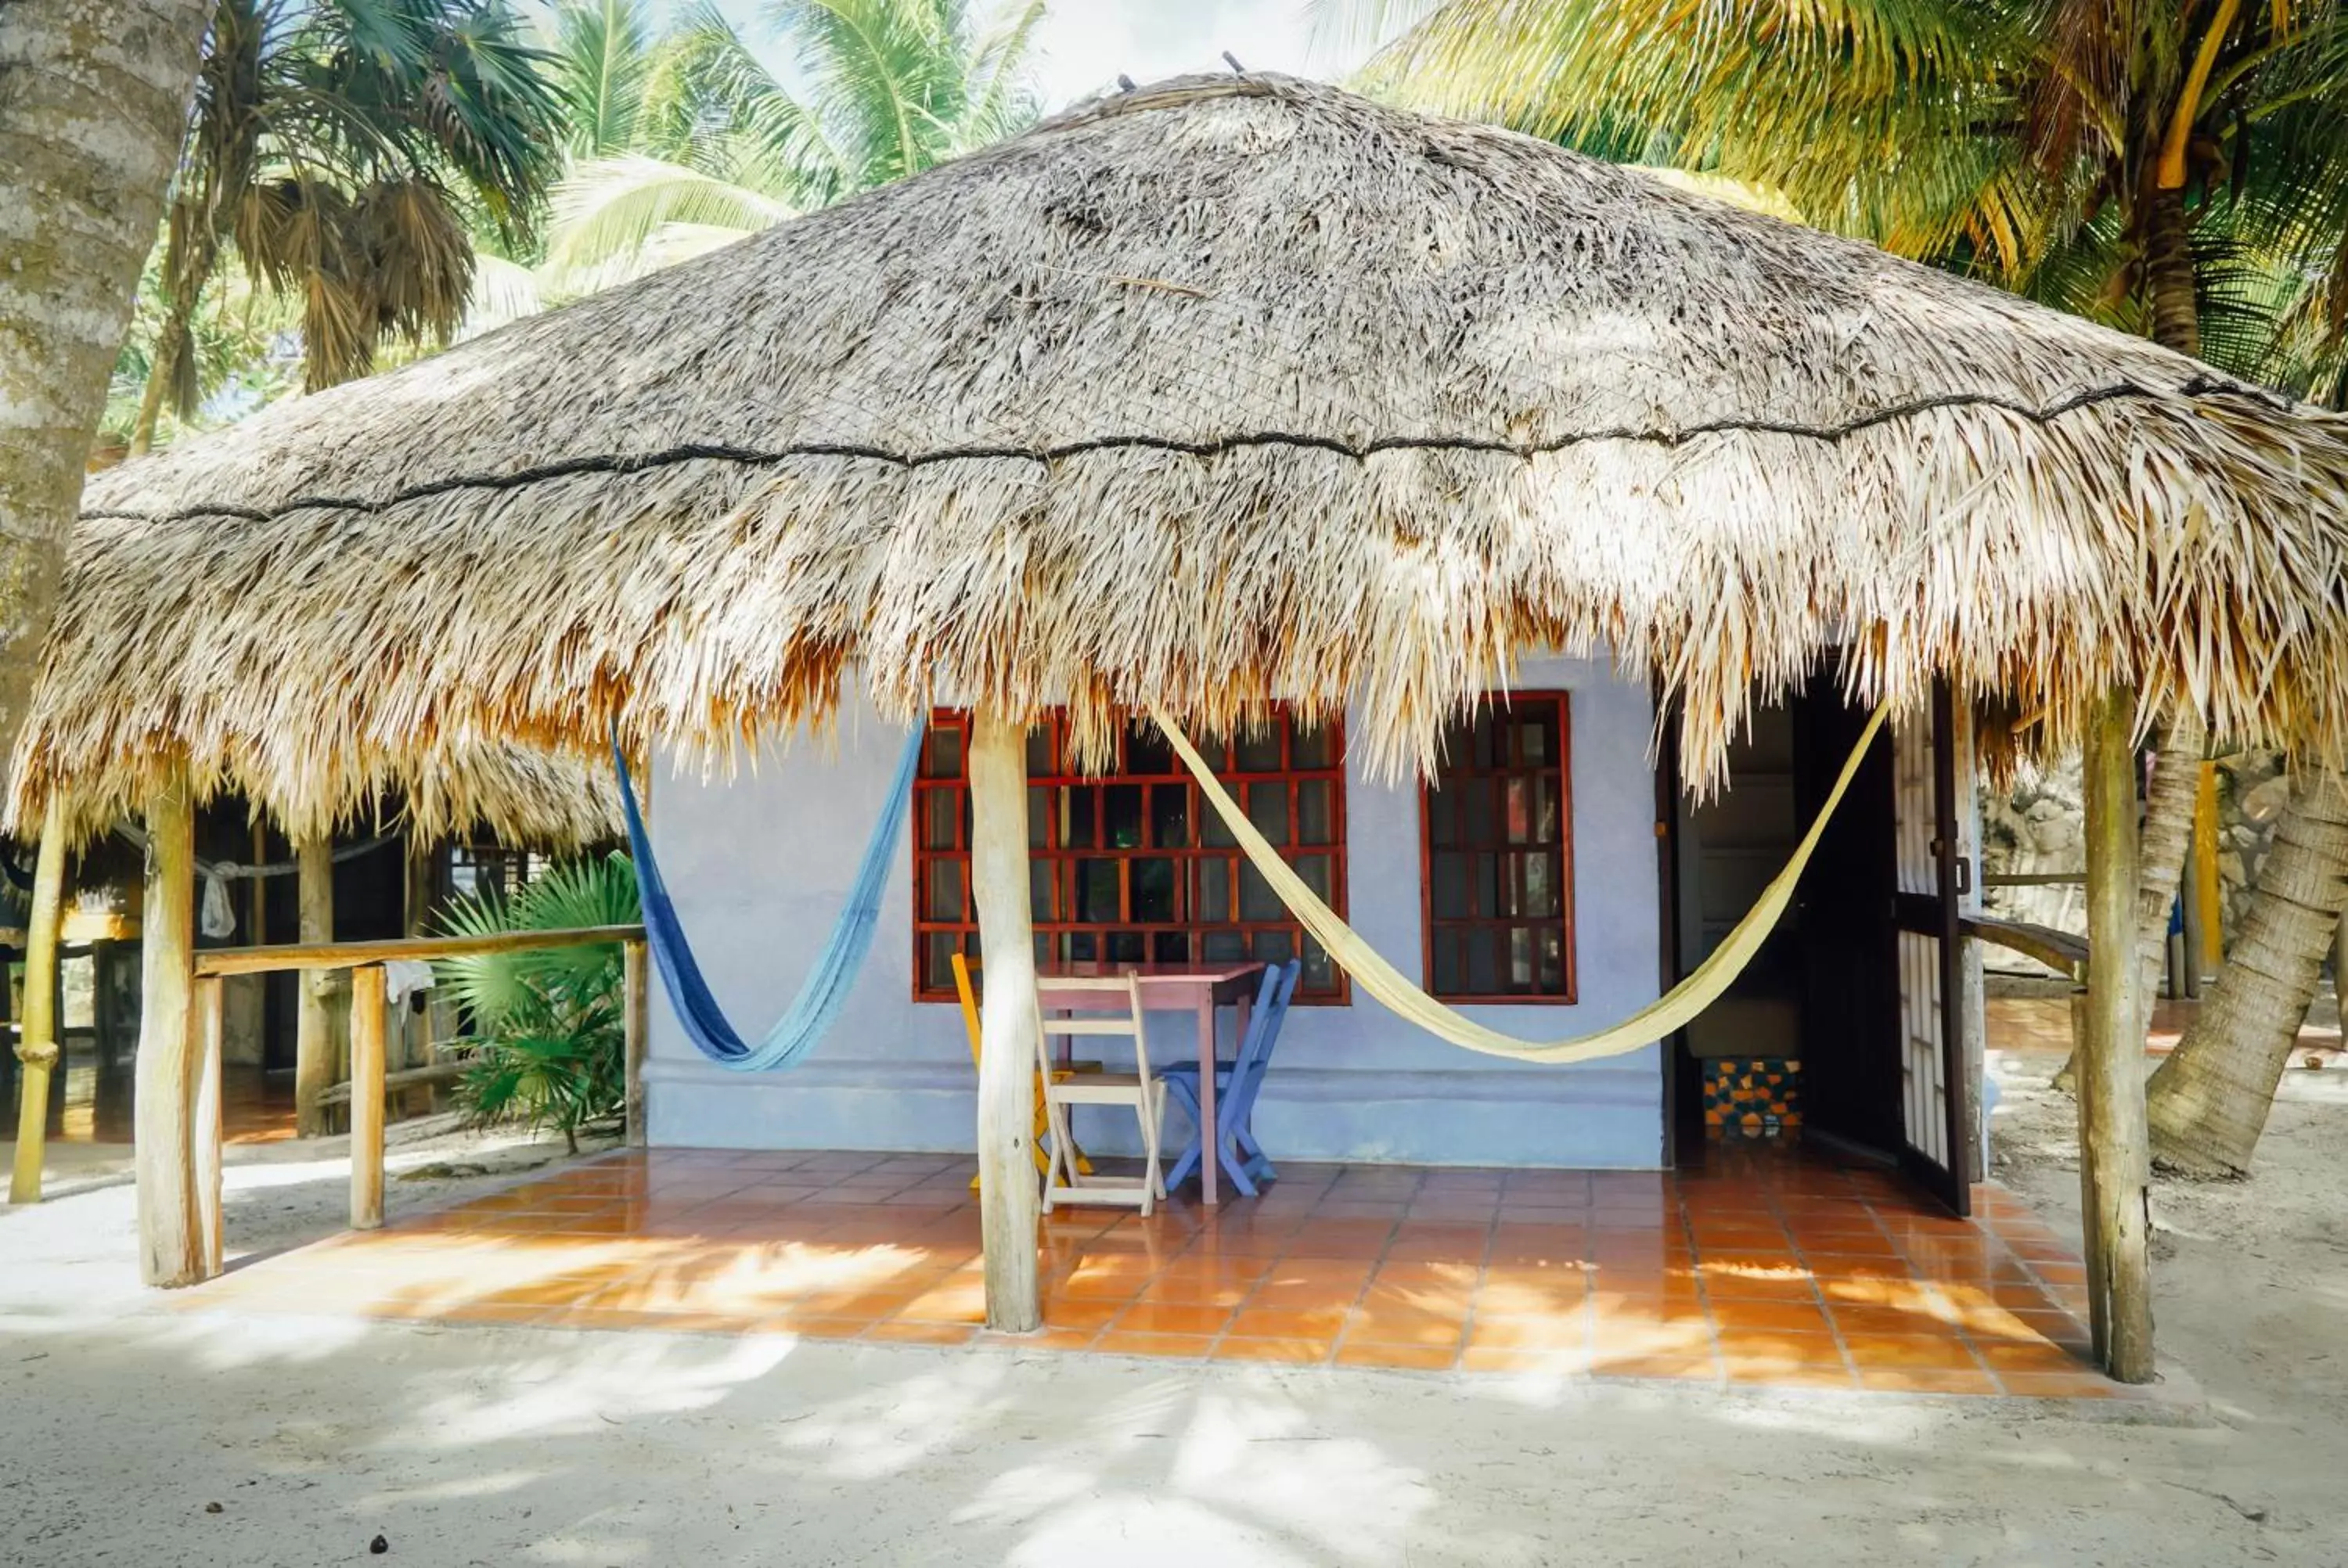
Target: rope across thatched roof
{"x":1217,"y":392}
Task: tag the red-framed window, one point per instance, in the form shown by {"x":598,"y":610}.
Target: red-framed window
{"x":1132,"y":865}
{"x":1497,"y":846}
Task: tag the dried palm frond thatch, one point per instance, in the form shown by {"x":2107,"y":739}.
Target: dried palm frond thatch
{"x":1217,"y":392}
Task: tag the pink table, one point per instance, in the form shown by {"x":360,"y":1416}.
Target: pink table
{"x":1195,"y":989}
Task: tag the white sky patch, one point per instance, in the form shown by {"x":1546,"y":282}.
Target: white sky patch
{"x":1083,"y":45}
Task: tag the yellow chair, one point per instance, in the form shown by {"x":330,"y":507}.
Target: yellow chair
{"x":968,"y":993}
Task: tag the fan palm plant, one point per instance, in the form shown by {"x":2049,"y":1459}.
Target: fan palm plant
{"x":548,"y":1035}
{"x":342,"y":149}
{"x":2180,"y":168}
{"x":686,"y":142}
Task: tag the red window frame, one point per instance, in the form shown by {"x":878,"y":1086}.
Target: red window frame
{"x":941,"y":869}
{"x":1519,"y":842}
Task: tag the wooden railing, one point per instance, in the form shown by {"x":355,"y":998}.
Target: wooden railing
{"x":368,"y":1003}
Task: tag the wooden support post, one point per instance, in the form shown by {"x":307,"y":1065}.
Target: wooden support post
{"x":211,"y":1023}
{"x":317,"y":1051}
{"x":2208,"y":883}
{"x":37,"y":1042}
{"x":367,"y":1003}
{"x":635,"y":960}
{"x":1009,"y":1024}
{"x":170,"y":1233}
{"x":2115,"y":1148}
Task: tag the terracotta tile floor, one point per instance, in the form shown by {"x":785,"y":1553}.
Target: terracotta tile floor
{"x":1761,"y":1269}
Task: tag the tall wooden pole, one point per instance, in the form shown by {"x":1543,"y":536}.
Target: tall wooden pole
{"x":210,"y":1025}
{"x":2115,"y":1148}
{"x":170,"y":1229}
{"x":635,"y":1001}
{"x":36,"y":1045}
{"x":2209,"y":886}
{"x":369,"y":1000}
{"x":317,"y":1049}
{"x":1009,"y":1024}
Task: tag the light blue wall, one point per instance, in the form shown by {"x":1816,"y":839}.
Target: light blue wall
{"x":760,"y":868}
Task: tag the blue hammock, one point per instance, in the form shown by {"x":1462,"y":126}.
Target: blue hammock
{"x":827,"y":986}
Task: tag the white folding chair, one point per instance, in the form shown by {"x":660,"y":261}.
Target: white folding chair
{"x":1119,"y":1014}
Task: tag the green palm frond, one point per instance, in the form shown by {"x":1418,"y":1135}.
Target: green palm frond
{"x":608,"y":215}
{"x":601,"y":60}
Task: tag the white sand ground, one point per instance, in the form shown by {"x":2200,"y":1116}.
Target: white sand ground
{"x":133,"y":1433}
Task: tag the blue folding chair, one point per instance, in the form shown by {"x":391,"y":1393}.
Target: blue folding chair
{"x":1236,"y":1087}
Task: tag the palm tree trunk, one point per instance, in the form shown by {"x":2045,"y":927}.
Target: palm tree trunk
{"x":171,"y":342}
{"x":93,"y":102}
{"x":2208,"y":1102}
{"x":2167,"y":826}
{"x":2168,"y":830}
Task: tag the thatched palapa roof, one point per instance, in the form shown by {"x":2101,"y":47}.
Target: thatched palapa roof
{"x":1220,"y":390}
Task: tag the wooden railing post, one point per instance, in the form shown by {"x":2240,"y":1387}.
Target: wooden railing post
{"x":36,"y":1043}
{"x":635,"y":1005}
{"x":209,"y":1024}
{"x":367,"y":1003}
{"x":317,"y":1049}
{"x":171,"y":1237}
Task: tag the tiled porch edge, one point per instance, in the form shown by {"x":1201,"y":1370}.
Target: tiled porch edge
{"x":1762,"y":1271}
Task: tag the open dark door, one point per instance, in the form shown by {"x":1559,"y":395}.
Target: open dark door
{"x":1930,"y":878}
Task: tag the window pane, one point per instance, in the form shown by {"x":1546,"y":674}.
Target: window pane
{"x":941,"y":755}
{"x":1552,"y":961}
{"x":1443,"y":808}
{"x":1312,"y":747}
{"x":1122,"y":816}
{"x":1319,"y":973}
{"x":1318,"y":873}
{"x":941,"y":809}
{"x":1084,"y":947}
{"x":1520,"y":959}
{"x":1079,"y":807}
{"x":1039,"y":818}
{"x":1450,"y":973}
{"x":1126,"y":948}
{"x":1221,"y":946}
{"x":1267,"y":807}
{"x":1170,"y":815}
{"x":1147,"y":751}
{"x":937,"y":959}
{"x":1169,"y":948}
{"x":1483,"y":960}
{"x":1545,"y":825}
{"x":1273,"y":946}
{"x":1448,"y":884}
{"x":1257,"y":900}
{"x":1316,"y":812}
{"x":1039,"y":891}
{"x":1540,"y":885}
{"x":1257,"y":752}
{"x":1093,"y":896}
{"x":1212,"y":829}
{"x":1153,"y":888}
{"x":944,"y":900}
{"x":1210,"y":898}
{"x":1517,"y":809}
{"x":1481,"y":826}
{"x":1039,"y":752}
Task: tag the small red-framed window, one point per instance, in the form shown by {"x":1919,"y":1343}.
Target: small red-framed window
{"x":1132,"y":864}
{"x":1496,"y":846}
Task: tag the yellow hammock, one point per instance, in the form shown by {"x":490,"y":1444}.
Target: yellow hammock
{"x":1667,"y":1014}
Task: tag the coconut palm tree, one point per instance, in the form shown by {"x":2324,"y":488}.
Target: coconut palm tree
{"x":344,"y":149}
{"x":2180,"y":168}
{"x":685,"y":141}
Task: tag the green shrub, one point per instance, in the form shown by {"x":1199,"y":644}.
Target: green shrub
{"x":548,"y":1042}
